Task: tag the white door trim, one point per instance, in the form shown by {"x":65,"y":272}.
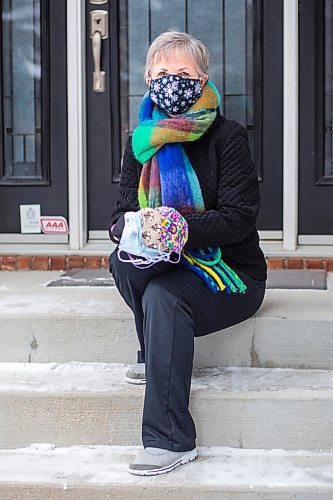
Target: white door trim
{"x":76,"y":99}
{"x":290,"y":124}
{"x":40,"y":239}
{"x":315,"y":239}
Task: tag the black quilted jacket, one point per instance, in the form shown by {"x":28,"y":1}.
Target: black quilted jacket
{"x":230,"y":188}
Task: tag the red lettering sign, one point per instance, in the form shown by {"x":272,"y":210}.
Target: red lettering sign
{"x":53,"y":224}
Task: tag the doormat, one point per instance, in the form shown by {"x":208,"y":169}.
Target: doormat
{"x":84,"y":277}
{"x":276,"y":278}
{"x":297,"y":278}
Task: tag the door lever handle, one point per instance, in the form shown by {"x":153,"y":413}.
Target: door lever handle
{"x":98,"y":32}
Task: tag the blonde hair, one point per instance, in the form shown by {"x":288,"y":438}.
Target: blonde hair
{"x":170,"y":41}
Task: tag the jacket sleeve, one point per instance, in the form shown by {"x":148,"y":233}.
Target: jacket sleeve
{"x":238,"y":199}
{"x":128,"y":188}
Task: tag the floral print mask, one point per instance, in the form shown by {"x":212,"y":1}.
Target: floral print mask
{"x":151,"y":235}
{"x":174,"y":94}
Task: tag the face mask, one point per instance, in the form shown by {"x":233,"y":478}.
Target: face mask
{"x":138,"y":253}
{"x":151,"y":235}
{"x":175,"y":94}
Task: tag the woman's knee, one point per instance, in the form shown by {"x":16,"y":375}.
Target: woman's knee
{"x":156,"y":292}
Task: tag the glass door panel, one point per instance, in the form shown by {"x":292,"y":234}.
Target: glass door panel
{"x":21,"y":98}
{"x":226,"y":27}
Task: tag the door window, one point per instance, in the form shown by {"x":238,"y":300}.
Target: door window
{"x":21,"y":96}
{"x":226,"y":27}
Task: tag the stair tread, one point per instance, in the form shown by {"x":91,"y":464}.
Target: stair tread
{"x":232,"y":381}
{"x":216,"y":466}
{"x":25,"y":294}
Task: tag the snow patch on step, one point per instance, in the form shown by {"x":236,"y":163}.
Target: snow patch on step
{"x":107,"y":377}
{"x":54,"y":303}
{"x":223,"y":466}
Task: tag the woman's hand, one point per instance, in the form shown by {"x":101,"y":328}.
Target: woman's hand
{"x":118,"y":227}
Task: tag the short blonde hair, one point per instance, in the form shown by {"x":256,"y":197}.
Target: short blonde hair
{"x":170,"y":41}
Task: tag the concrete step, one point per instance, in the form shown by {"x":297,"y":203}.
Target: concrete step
{"x":90,"y":403}
{"x":293,"y":328}
{"x":43,"y":471}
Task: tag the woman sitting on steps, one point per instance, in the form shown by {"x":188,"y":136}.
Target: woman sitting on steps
{"x":185,"y":154}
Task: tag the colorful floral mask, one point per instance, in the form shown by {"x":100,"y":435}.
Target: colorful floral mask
{"x":151,"y":235}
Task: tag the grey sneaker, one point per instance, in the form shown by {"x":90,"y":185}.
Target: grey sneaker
{"x":136,"y":374}
{"x":153,"y":461}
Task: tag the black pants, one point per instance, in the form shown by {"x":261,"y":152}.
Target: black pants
{"x":171,"y":306}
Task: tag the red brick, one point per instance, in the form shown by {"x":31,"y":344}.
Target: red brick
{"x":23,"y":262}
{"x":40,"y":263}
{"x":8,"y":263}
{"x":58,"y":263}
{"x":75,"y":261}
{"x":275,"y":263}
{"x":312,"y":263}
{"x":329,"y":264}
{"x":105,"y":263}
{"x":293,"y":263}
{"x":93,"y":262}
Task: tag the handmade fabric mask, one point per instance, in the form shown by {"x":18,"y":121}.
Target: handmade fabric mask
{"x":151,"y":229}
{"x":131,"y":243}
{"x":174,"y":94}
{"x":151,"y":235}
{"x":174,"y":229}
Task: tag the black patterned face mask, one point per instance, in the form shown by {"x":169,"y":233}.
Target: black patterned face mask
{"x":175,"y":94}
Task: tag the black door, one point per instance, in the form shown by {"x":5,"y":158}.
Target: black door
{"x":33,"y":160}
{"x":316,"y":118}
{"x":245,"y":41}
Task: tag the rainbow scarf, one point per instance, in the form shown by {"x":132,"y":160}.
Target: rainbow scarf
{"x":168,"y":178}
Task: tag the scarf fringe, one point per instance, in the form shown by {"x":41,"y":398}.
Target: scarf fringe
{"x":207,"y":262}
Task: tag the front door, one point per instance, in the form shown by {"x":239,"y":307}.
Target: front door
{"x":33,"y":146}
{"x":248,"y":77}
{"x":315,"y":122}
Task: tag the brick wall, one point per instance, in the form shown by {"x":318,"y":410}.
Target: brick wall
{"x":66,"y":262}
{"x":52,"y":263}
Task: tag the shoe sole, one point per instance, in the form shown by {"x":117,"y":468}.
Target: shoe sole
{"x":137,"y":381}
{"x":189,"y":457}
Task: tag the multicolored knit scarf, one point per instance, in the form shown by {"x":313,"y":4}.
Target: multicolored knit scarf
{"x":168,"y":178}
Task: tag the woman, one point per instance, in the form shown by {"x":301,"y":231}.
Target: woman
{"x":200,"y":164}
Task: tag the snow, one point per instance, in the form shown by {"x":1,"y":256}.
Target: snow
{"x":63,"y":377}
{"x":82,"y":302}
{"x":103,"y":465}
{"x":104,"y":377}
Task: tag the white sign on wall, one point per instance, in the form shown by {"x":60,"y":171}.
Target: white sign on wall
{"x":29,"y":216}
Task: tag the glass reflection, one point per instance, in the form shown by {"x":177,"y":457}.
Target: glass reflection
{"x":21,"y":53}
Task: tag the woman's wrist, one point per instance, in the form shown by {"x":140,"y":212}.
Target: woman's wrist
{"x":117,"y":228}
{"x":115,"y":237}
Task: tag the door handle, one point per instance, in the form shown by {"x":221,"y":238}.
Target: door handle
{"x":98,"y":32}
